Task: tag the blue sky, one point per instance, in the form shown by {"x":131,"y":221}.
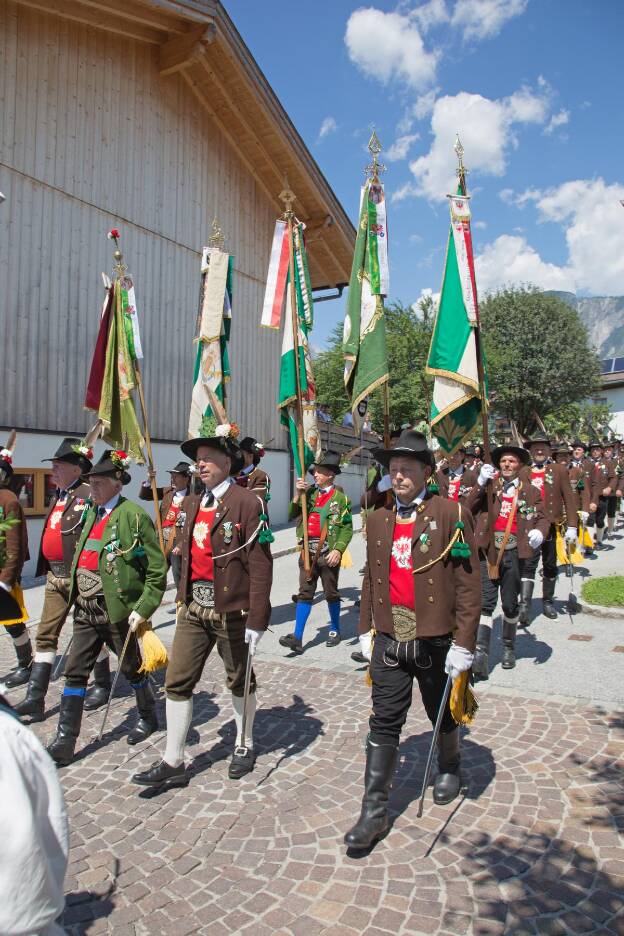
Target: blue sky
{"x":532,"y":88}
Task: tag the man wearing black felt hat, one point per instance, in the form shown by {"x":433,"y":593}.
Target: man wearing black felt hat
{"x":172,"y":516}
{"x":61,"y":532}
{"x":422,"y":591}
{"x":251,"y":476}
{"x":117,"y":581}
{"x":13,"y":555}
{"x":224,"y":597}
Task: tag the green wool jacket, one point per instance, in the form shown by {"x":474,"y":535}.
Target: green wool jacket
{"x":336,"y":514}
{"x":133,"y":580}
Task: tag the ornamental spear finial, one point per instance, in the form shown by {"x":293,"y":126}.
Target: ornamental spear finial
{"x":374,"y":148}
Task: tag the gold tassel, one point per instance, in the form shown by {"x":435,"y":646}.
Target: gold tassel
{"x":346,"y":562}
{"x":18,"y":594}
{"x":464,"y":704}
{"x":153,"y":649}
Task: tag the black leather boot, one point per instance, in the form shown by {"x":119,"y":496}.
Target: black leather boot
{"x":480,"y":664}
{"x":447,"y":784}
{"x":38,"y":683}
{"x":61,"y":750}
{"x":373,"y":822}
{"x":526,"y":594}
{"x":548,"y":593}
{"x":509,"y":644}
{"x":148,"y":721}
{"x":98,"y":694}
{"x":21,"y":675}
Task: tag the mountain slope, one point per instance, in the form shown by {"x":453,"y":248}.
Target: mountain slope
{"x":604,"y":318}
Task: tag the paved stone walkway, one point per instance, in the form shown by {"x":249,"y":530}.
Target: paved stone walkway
{"x":533,"y":847}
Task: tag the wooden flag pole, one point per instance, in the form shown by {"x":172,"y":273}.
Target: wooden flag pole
{"x":288,"y":197}
{"x":461,"y":175}
{"x":120,"y":271}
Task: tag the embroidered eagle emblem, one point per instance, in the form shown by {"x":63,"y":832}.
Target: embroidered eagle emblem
{"x":200,"y":533}
{"x":55,"y":519}
{"x":402,"y":552}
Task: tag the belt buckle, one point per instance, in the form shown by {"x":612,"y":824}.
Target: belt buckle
{"x":89,"y":583}
{"x":203,"y":594}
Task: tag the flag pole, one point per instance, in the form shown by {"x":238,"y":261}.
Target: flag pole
{"x":120,"y":269}
{"x":461,"y":175}
{"x":288,"y":197}
{"x":217,"y":239}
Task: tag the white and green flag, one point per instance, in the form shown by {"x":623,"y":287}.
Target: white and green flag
{"x":364,"y":337}
{"x":456,"y":403}
{"x":288,"y":374}
{"x":212,"y":366}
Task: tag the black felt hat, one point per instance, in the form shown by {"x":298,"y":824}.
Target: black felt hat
{"x":500,"y":450}
{"x":538,"y":437}
{"x":410,"y":442}
{"x":578,"y":444}
{"x":111,"y":465}
{"x":223,"y":444}
{"x":182,"y":468}
{"x":67,"y":452}
{"x":330,"y":461}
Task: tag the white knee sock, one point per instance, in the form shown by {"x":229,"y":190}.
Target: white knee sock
{"x":237,"y":703}
{"x":599,"y":534}
{"x":179,"y":714}
{"x":102,"y":655}
{"x":21,"y":639}
{"x":611,"y":525}
{"x":45,"y":656}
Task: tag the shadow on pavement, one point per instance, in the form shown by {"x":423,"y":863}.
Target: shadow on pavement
{"x":84,"y":908}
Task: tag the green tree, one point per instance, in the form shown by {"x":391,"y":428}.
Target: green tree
{"x":408,"y":334}
{"x":539,"y":359}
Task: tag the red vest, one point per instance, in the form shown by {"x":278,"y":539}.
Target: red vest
{"x":503,"y":517}
{"x":401,"y":577}
{"x":537,"y":478}
{"x":453,"y":488}
{"x":89,"y":558}
{"x":202,"y":565}
{"x":52,"y":543}
{"x":172,"y":515}
{"x":314,"y":520}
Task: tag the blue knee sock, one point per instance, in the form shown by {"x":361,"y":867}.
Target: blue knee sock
{"x":334,"y":614}
{"x":301,"y":618}
{"x":74,"y":690}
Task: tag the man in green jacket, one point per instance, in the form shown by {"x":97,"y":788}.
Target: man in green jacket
{"x":118,"y":579}
{"x":330,"y":528}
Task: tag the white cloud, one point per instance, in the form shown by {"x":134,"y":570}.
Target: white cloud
{"x":400,"y":147}
{"x":424,"y":104}
{"x":506,"y":195}
{"x":557,"y":120}
{"x":389,"y":45}
{"x":328,"y":126}
{"x":432,"y":13}
{"x":480,"y":225}
{"x":425,"y":294}
{"x":483,"y":19}
{"x":486,"y":129}
{"x":590,"y":216}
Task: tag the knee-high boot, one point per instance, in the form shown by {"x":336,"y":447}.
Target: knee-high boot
{"x":480,"y":664}
{"x":98,"y":693}
{"x":526,"y":594}
{"x":61,"y":749}
{"x":38,"y":683}
{"x":548,"y":593}
{"x":23,"y":652}
{"x":509,"y":644}
{"x":147,"y":723}
{"x":448,"y":782}
{"x":373,"y":822}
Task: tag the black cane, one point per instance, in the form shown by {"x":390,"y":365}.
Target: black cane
{"x":434,"y":741}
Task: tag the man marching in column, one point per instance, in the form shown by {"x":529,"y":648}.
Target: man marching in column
{"x":251,"y":476}
{"x":330,"y":528}
{"x":423,"y":590}
{"x":553,"y":483}
{"x":225,"y":589}
{"x":61,"y":532}
{"x":118,"y":579}
{"x":171,"y":499}
{"x":608,"y":453}
{"x":604,"y":481}
{"x":579,"y":473}
{"x":520,"y":527}
{"x":13,"y":555}
{"x":456,"y":481}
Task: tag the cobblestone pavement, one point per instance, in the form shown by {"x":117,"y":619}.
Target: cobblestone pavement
{"x":533,"y":846}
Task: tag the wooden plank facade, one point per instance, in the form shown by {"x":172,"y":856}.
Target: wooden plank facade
{"x":152,"y":117}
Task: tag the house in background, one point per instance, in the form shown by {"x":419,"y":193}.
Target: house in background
{"x":150,"y":116}
{"x":612,"y":385}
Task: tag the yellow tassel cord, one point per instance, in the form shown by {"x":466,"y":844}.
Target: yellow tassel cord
{"x":563,"y":557}
{"x":17,"y":593}
{"x":153,"y":650}
{"x":368,"y":679}
{"x":346,"y":561}
{"x":464,"y":704}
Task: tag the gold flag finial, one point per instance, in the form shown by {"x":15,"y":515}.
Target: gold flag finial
{"x":119,"y":269}
{"x":374,"y":148}
{"x":217,"y":238}
{"x":287,"y":197}
{"x":461,"y":170}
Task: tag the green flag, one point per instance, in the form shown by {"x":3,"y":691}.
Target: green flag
{"x":116,"y":410}
{"x":456,"y":403}
{"x":364,"y":337}
{"x":288,"y":373}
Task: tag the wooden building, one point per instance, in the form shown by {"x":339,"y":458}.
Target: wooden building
{"x":150,"y":116}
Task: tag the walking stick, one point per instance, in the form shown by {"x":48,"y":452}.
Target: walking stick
{"x":242,"y":747}
{"x":61,"y":663}
{"x":570,"y":573}
{"x":434,"y":741}
{"x":114,"y":686}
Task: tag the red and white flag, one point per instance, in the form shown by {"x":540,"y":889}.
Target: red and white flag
{"x":276,"y":278}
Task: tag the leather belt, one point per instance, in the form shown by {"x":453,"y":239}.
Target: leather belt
{"x":203,"y":594}
{"x":89,"y":583}
{"x":58,"y":569}
{"x":512,"y":542}
{"x":404,"y":623}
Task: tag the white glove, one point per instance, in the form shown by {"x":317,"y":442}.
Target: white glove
{"x":253,"y":637}
{"x":535,"y":539}
{"x":584,"y":516}
{"x":385,"y":484}
{"x":570,"y":535}
{"x":365,"y":645}
{"x":6,"y":587}
{"x":458,"y":660}
{"x":134,"y":620}
{"x":487,"y":473}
